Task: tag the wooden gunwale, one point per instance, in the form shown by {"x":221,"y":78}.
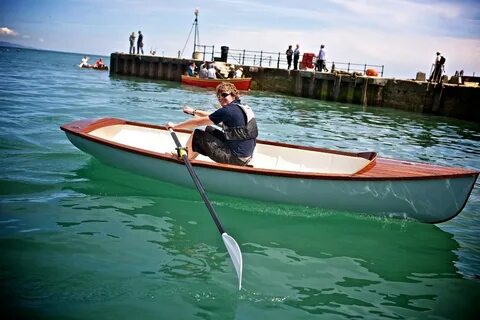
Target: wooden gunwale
{"x":378,"y":169}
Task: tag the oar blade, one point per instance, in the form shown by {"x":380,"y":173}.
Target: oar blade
{"x":235,"y":254}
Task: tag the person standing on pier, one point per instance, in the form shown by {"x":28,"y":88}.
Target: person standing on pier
{"x":132,"y":43}
{"x":296,"y":57}
{"x":320,"y":65}
{"x":140,"y":42}
{"x":438,"y":68}
{"x":289,"y":54}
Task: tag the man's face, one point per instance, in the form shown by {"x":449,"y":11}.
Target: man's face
{"x":224,"y":98}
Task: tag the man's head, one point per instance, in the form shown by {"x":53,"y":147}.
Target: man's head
{"x":438,"y":53}
{"x":226,"y":93}
{"x":322,"y":46}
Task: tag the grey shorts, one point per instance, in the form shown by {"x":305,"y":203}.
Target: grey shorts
{"x":213,"y":144}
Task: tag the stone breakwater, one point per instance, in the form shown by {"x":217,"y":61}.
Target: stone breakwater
{"x":417,"y":96}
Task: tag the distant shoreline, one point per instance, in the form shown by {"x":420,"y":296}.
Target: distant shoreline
{"x":13,"y":45}
{"x":4,"y":44}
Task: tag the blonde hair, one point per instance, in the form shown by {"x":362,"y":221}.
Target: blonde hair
{"x":226,"y":87}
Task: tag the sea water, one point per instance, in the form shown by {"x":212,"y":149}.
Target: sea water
{"x":82,"y":240}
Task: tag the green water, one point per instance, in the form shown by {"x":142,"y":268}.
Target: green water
{"x":81,"y":240}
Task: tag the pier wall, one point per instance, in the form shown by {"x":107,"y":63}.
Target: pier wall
{"x":417,"y":96}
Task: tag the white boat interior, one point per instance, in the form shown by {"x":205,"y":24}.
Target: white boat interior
{"x":268,"y":157}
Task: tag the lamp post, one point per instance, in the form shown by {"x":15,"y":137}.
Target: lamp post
{"x":196,"y":35}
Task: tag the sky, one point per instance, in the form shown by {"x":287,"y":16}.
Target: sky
{"x":402,"y":35}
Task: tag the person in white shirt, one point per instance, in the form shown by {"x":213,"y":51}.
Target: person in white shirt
{"x":203,"y":73}
{"x":84,"y":62}
{"x":239,"y":73}
{"x":212,"y":73}
{"x":321,"y":59}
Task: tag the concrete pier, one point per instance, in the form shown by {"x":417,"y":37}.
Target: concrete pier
{"x":450,"y":100}
{"x":161,"y":68}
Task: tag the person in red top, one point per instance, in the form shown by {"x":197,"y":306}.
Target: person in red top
{"x":99,"y":63}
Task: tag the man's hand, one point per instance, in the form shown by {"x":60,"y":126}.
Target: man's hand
{"x":189,"y":110}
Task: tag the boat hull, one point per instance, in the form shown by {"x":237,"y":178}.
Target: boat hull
{"x":430,"y":200}
{"x":104,"y":68}
{"x":239,"y":83}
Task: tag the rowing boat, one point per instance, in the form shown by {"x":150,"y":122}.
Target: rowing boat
{"x":239,"y":83}
{"x":285,"y":173}
{"x":102,"y":68}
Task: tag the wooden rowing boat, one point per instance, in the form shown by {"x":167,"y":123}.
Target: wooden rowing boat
{"x":285,"y":173}
{"x":240,"y":83}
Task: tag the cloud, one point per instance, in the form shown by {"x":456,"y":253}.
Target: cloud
{"x":396,"y":16}
{"x":4,"y":31}
{"x":401,"y":10}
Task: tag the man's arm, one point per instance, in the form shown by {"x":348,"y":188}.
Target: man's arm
{"x":195,"y":112}
{"x":191,"y":123}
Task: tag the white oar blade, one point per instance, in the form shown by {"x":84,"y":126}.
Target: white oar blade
{"x":236,"y":256}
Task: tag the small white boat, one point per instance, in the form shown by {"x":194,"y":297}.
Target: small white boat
{"x":285,"y":173}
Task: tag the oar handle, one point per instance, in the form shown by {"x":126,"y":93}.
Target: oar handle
{"x":197,"y":181}
{"x":175,"y":138}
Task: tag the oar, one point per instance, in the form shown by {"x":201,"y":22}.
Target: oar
{"x":232,"y":246}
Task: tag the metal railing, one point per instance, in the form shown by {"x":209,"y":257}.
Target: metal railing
{"x":274,"y":59}
{"x":356,"y":67}
{"x":257,"y":58}
{"x":205,"y":50}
